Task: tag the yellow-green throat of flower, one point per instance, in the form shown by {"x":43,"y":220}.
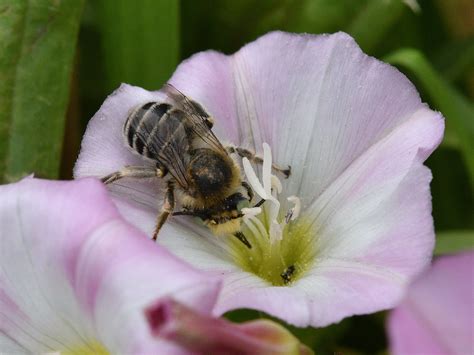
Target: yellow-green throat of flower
{"x":90,"y":348}
{"x":283,"y":245}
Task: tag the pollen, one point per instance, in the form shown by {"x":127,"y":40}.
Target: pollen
{"x":282,"y":240}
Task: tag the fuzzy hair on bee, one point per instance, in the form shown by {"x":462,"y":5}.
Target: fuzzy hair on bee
{"x":198,"y":170}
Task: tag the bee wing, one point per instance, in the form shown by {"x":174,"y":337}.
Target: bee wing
{"x":183,"y":102}
{"x":197,"y":119}
{"x":167,"y":142}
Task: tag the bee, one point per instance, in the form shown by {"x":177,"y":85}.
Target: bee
{"x":199,"y":172}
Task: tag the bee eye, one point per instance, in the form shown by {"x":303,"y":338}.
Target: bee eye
{"x":242,"y":204}
{"x":209,"y":122}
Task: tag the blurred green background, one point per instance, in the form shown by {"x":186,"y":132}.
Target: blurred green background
{"x":60,"y":59}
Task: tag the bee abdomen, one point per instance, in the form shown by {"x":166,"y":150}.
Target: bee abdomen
{"x":142,"y":124}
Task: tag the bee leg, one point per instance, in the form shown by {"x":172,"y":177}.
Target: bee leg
{"x":166,"y":209}
{"x":246,"y":185}
{"x":245,"y":153}
{"x":240,"y":236}
{"x":138,"y":172}
{"x":187,"y":213}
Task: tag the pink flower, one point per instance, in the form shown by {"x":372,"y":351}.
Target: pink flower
{"x":75,"y":277}
{"x":437,"y":313}
{"x":356,"y":135}
{"x":205,"y":335}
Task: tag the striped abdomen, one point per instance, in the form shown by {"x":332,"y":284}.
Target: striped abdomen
{"x":143,"y":129}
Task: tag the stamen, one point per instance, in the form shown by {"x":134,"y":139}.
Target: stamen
{"x":276,"y":184}
{"x":281,"y":252}
{"x":252,"y":227}
{"x":274,"y":208}
{"x":253,"y":179}
{"x":293,"y":212}
{"x":256,"y":222}
{"x":268,"y":189}
{"x":276,"y":232}
{"x":251,"y":211}
{"x":267,"y":169}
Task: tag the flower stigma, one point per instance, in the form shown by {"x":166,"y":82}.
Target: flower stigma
{"x":283,"y":246}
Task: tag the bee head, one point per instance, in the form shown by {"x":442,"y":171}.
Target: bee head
{"x":235,"y":202}
{"x":226,"y":219}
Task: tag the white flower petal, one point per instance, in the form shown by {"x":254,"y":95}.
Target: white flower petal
{"x":366,"y":204}
{"x":104,"y":149}
{"x":276,"y":184}
{"x":319,"y":110}
{"x":8,"y":345}
{"x":244,"y":290}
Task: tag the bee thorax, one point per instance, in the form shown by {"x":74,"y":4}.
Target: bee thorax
{"x":211,"y":174}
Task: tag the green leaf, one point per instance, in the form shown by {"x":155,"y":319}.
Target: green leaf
{"x":455,"y":241}
{"x":372,"y":23}
{"x":458,"y":111}
{"x":140,"y":41}
{"x":37,"y":40}
{"x":229,"y":24}
{"x":314,"y":16}
{"x":454,"y":59}
{"x":452,"y":195}
{"x":11,"y":26}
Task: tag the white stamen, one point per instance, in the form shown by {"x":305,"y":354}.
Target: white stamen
{"x":276,"y":233}
{"x":253,"y":179}
{"x":251,"y":226}
{"x":267,"y":169}
{"x":256,"y":222}
{"x":267,"y":224}
{"x":274,"y":207}
{"x":293,"y":212}
{"x":276,"y":184}
{"x":251,"y":211}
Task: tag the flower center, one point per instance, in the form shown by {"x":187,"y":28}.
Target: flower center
{"x":282,"y":242}
{"x":92,"y":348}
